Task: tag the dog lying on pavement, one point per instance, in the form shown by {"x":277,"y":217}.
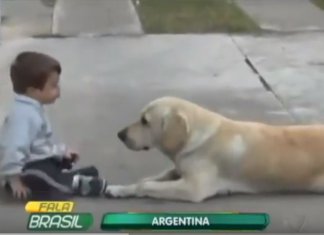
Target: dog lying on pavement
{"x":215,"y":155}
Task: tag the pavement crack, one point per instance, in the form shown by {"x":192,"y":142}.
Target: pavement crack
{"x":264,"y":82}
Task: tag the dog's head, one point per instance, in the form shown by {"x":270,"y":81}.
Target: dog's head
{"x":164,"y":124}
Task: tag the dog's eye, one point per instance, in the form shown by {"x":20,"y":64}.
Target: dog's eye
{"x":144,"y":121}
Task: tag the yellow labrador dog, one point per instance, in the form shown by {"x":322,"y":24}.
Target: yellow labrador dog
{"x":215,"y":155}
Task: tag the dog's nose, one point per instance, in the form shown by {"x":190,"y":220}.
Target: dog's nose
{"x":122,"y":134}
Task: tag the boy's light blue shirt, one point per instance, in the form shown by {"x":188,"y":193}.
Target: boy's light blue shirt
{"x":25,"y":136}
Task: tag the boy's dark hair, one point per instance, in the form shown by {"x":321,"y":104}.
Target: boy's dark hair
{"x":31,"y":69}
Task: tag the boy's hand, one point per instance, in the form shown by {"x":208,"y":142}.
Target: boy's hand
{"x":72,"y":155}
{"x":19,"y":190}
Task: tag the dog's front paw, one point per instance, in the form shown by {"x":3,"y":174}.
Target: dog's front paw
{"x":119,"y":191}
{"x":114,"y":191}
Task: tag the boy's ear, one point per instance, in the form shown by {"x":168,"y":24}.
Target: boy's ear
{"x":31,"y":90}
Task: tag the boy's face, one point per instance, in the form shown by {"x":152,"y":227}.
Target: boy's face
{"x":50,"y":92}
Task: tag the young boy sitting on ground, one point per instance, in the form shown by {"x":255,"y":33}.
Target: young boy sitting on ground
{"x":33,"y":165}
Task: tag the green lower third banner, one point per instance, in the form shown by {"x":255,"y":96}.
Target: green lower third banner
{"x":185,"y":221}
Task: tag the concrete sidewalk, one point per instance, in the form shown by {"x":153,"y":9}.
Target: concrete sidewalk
{"x":119,"y":17}
{"x":69,"y":18}
{"x":105,"y":90}
{"x":95,"y":17}
{"x":25,"y":18}
{"x":293,"y":66}
{"x":284,"y":15}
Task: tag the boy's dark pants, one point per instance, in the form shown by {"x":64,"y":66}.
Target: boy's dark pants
{"x":47,"y":179}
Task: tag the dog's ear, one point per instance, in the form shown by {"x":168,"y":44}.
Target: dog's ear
{"x":175,"y":131}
